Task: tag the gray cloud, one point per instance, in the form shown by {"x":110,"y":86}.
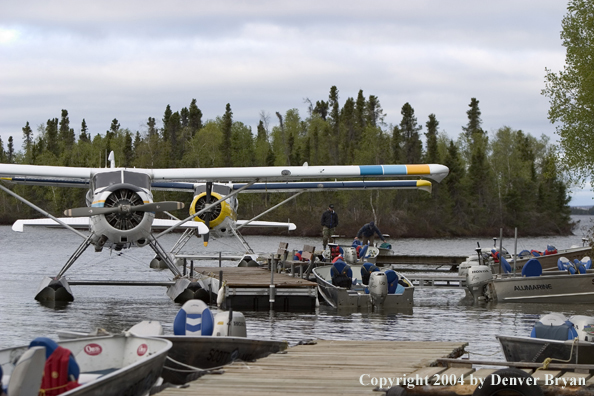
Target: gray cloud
{"x":128,"y":60}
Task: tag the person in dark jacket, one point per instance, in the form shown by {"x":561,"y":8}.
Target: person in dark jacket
{"x":329,"y":223}
{"x":367,"y":233}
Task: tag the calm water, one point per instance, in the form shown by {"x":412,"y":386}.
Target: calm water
{"x":438,"y":315}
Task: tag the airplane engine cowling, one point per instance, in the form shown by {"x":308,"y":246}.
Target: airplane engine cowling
{"x":124,"y":220}
{"x":217,"y":214}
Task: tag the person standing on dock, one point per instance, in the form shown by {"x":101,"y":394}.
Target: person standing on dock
{"x":329,"y":223}
{"x":367,"y":233}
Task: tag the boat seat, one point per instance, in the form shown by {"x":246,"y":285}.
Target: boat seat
{"x":392,"y":278}
{"x":532,"y":268}
{"x":341,"y":274}
{"x":194,"y":318}
{"x":562,"y":263}
{"x":28,"y":372}
{"x":505,"y":265}
{"x":50,"y":346}
{"x":366,"y":271}
{"x":587,"y":262}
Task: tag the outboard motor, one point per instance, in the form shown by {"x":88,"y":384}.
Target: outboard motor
{"x":477,"y":278}
{"x":194,"y":318}
{"x":233,"y":326}
{"x":350,"y":255}
{"x":554,"y":326}
{"x":378,"y":288}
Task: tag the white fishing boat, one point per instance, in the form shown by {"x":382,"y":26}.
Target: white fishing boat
{"x":115,"y":365}
{"x":556,"y":337}
{"x":548,"y":258}
{"x":363,"y":287}
{"x":532,"y":285}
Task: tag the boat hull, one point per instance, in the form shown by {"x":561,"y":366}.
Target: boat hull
{"x":342,"y":298}
{"x":536,"y":350}
{"x":558,"y":289}
{"x":133,"y":363}
{"x":207,"y":352}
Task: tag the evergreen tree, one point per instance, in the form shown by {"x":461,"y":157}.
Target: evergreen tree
{"x":51,"y":136}
{"x":474,"y":119}
{"x":226,"y":125}
{"x":409,"y":131}
{"x":194,"y":118}
{"x":334,"y":123}
{"x":432,"y":156}
{"x":10,"y":151}
{"x":65,"y":133}
{"x":84,"y":135}
{"x":166,"y":117}
{"x":27,"y":141}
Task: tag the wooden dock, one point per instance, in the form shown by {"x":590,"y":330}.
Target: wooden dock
{"x":325,"y":368}
{"x":249,"y":288}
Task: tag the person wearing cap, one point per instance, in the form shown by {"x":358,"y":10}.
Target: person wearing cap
{"x":329,"y":223}
{"x":367,"y":233}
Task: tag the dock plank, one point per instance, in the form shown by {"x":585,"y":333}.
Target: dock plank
{"x":328,"y":367}
{"x":252,"y":277}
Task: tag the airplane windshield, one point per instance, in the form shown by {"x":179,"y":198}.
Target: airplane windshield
{"x":106,"y":179}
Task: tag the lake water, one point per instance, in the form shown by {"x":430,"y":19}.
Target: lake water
{"x":438,"y":315}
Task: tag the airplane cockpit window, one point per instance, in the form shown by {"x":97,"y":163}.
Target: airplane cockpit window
{"x":138,"y":179}
{"x":106,"y":179}
{"x":219,"y":189}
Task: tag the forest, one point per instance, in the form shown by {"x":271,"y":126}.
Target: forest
{"x":502,"y":179}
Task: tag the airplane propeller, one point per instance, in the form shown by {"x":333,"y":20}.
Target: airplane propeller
{"x":150,"y":207}
{"x":206,"y":236}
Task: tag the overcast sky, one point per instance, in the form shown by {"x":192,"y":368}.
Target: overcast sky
{"x":129,"y":59}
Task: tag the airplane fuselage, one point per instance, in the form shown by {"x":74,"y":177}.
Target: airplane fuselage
{"x":120,"y":189}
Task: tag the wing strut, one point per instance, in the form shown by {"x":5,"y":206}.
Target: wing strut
{"x":43,"y":212}
{"x":77,"y":253}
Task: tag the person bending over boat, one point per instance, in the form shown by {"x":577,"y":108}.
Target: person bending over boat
{"x":329,"y":223}
{"x":367,"y":233}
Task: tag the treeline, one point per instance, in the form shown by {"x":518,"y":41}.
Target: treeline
{"x":507,"y":179}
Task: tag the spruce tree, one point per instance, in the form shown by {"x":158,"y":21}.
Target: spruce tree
{"x":432,"y":156}
{"x":409,"y":130}
{"x":226,"y":125}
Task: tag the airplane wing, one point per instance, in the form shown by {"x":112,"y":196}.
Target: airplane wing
{"x":161,"y":223}
{"x":83,"y":222}
{"x":39,"y":181}
{"x":75,"y":222}
{"x":289,"y":226}
{"x":336,"y":186}
{"x":273,"y":187}
{"x":431,"y":171}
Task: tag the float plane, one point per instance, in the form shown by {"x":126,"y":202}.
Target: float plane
{"x":120,"y":210}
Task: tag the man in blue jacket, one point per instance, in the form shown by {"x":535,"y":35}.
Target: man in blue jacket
{"x":367,"y":233}
{"x":329,"y":223}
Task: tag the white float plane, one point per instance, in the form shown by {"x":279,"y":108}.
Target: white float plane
{"x":121,"y":210}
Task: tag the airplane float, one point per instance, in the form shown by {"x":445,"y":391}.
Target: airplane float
{"x":120,"y":211}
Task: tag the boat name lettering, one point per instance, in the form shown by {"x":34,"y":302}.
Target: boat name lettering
{"x":547,"y":286}
{"x":142,"y":349}
{"x":216,"y":355}
{"x":93,"y":349}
